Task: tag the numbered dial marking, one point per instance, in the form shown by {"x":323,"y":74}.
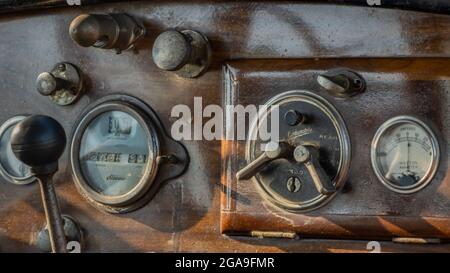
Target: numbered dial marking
{"x":405,"y":154}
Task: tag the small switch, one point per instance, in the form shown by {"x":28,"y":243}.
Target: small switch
{"x":342,"y":82}
{"x":63,"y":84}
{"x":48,"y":84}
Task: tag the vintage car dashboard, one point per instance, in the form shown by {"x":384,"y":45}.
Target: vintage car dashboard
{"x":148,"y":94}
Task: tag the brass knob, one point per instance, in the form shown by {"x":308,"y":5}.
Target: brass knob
{"x":108,"y":31}
{"x":185,"y":52}
{"x":171,"y":50}
{"x":63,"y":84}
{"x":47,"y":84}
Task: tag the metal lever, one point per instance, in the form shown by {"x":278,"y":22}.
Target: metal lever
{"x":272,"y":151}
{"x":310,"y":157}
{"x":38,"y":141}
{"x":53,"y":216}
{"x":342,"y":82}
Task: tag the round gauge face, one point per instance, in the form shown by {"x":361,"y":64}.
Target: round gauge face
{"x":405,"y":154}
{"x":11,"y":168}
{"x":114,"y":154}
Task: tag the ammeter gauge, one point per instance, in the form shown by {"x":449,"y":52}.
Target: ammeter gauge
{"x":405,"y":154}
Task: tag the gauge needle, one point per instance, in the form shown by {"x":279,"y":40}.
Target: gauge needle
{"x":407,"y":156}
{"x":408,"y":171}
{"x":408,"y":162}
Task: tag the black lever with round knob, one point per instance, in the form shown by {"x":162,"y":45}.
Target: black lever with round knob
{"x":38,"y":141}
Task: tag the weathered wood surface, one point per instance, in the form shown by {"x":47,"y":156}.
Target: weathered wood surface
{"x":185,"y":215}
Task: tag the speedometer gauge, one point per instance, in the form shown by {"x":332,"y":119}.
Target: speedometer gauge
{"x":405,"y":154}
{"x":121,"y":155}
{"x":114,"y":153}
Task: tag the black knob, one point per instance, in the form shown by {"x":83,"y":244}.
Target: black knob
{"x":38,"y":141}
{"x":293,"y":117}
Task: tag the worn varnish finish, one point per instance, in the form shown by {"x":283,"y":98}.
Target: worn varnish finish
{"x":365,"y":208}
{"x":185,"y":214}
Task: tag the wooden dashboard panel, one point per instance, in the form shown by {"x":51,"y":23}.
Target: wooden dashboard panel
{"x":365,"y":208}
{"x":185,"y":215}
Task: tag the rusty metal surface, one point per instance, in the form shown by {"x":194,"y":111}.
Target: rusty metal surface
{"x":185,"y":213}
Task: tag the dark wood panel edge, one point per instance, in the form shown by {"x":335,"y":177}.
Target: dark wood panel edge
{"x":431,"y":6}
{"x":10,"y":6}
{"x":344,"y":226}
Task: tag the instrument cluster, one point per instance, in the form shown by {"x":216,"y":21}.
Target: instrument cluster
{"x":120,"y":153}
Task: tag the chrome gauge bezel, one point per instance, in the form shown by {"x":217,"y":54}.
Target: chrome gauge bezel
{"x":3,"y":172}
{"x":344,"y":140}
{"x":428,"y":177}
{"x":130,"y":200}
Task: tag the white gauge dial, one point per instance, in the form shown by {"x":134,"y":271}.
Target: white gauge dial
{"x":113,"y":153}
{"x":11,"y":169}
{"x":405,"y":154}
